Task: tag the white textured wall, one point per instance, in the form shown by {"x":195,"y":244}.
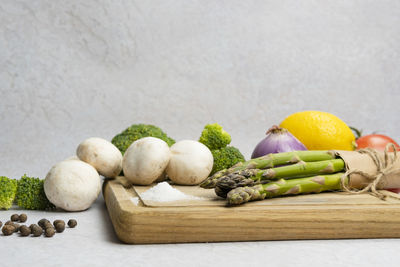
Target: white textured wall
{"x":74,"y":69}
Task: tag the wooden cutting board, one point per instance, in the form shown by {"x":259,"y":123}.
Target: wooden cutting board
{"x":315,"y":216}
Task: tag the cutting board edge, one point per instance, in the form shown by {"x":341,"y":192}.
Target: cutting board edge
{"x":151,"y":225}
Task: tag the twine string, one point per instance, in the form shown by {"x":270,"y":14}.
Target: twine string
{"x":384,"y":167}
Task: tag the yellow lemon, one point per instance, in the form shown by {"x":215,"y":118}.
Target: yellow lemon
{"x":319,"y":130}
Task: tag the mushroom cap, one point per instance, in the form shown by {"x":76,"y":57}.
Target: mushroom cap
{"x":102,"y":155}
{"x":191,"y":162}
{"x":72,"y":185}
{"x":145,"y":160}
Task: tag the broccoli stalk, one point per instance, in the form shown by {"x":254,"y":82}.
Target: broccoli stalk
{"x":123,"y":140}
{"x":8,"y":189}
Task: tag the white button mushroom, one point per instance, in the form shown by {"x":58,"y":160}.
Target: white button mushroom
{"x":145,"y":160}
{"x":102,"y":155}
{"x":191,"y":162}
{"x":72,"y":185}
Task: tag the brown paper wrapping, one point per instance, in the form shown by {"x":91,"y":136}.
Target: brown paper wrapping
{"x":363,"y":162}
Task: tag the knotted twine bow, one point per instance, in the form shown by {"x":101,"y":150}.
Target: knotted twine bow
{"x":384,"y":167}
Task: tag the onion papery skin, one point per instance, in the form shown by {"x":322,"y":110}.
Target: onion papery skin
{"x":277,"y":140}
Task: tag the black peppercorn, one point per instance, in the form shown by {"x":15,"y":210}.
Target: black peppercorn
{"x":59,"y":225}
{"x":16,"y":226}
{"x":15,"y":217}
{"x":72,"y":223}
{"x":49,"y":232}
{"x":36,"y":230}
{"x":23,"y":217}
{"x":8,"y":229}
{"x":43,"y":222}
{"x":44,"y":226}
{"x":58,"y":221}
{"x":25,"y":230}
{"x":47,"y":225}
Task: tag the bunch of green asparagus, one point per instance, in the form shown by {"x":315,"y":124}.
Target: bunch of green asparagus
{"x":279,"y":174}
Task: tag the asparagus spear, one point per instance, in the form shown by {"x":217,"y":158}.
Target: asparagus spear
{"x":313,"y":184}
{"x":304,"y":169}
{"x":226,"y":184}
{"x":270,"y":161}
{"x":255,"y":176}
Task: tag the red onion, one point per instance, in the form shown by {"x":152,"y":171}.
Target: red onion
{"x":277,"y":140}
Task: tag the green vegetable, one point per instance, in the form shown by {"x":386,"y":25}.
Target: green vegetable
{"x":304,"y":169}
{"x":251,"y":177}
{"x":8,"y":189}
{"x":214,"y":137}
{"x":225,"y":158}
{"x":123,"y":140}
{"x":217,"y":139}
{"x":314,"y":184}
{"x":30,"y":194}
{"x":269,"y":161}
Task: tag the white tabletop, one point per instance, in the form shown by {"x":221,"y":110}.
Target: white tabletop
{"x":70,"y":70}
{"x":94,"y":243}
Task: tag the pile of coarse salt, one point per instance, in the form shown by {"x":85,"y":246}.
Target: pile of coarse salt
{"x":163,"y":192}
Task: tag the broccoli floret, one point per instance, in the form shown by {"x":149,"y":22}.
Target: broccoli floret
{"x":123,"y":140}
{"x":8,"y":189}
{"x":31,"y":195}
{"x":214,"y":137}
{"x":225,"y":158}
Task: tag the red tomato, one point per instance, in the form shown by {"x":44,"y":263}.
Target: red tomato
{"x":376,"y":141}
{"x":394,"y":190}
